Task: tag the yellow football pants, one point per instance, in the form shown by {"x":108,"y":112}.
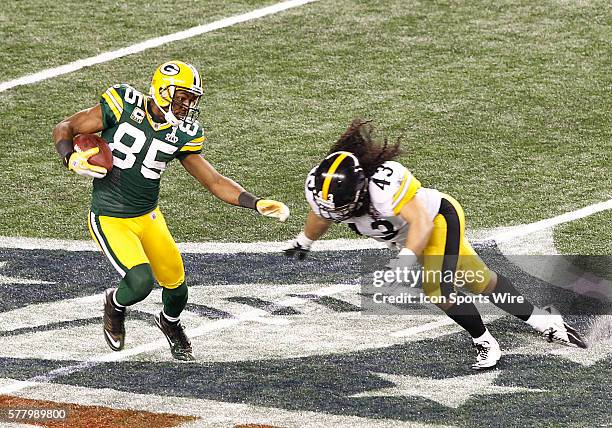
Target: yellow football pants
{"x":128,"y":242}
{"x":449,"y":251}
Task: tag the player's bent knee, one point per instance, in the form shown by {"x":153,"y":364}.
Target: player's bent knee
{"x":140,"y":280}
{"x":492,"y":284}
{"x":172,"y":283}
{"x":170,"y":276}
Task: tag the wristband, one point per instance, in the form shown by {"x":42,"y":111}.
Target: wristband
{"x":65,"y":148}
{"x":406,"y":252}
{"x":248,"y":200}
{"x":303,"y":240}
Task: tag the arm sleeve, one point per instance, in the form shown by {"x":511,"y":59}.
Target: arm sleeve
{"x":193,"y":146}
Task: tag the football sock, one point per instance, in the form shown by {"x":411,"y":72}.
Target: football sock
{"x":486,"y":337}
{"x":135,"y":286}
{"x":170,"y":319}
{"x":508,"y":299}
{"x":174,"y":300}
{"x":115,"y":303}
{"x":539,"y":319}
{"x":468,"y":317}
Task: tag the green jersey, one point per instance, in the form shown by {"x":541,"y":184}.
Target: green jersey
{"x":141,"y":150}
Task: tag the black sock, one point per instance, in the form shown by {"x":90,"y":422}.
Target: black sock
{"x":174,"y":300}
{"x":468,"y":317}
{"x":504,"y":292}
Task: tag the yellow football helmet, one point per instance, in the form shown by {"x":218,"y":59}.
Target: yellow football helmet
{"x":167,"y":79}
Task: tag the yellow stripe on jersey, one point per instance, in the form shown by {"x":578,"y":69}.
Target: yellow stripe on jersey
{"x":114,"y":101}
{"x":197,"y":140}
{"x":187,"y":148}
{"x":411,"y":185}
{"x":401,"y":188}
{"x":115,"y":95}
{"x":330,"y":173}
{"x":112,"y":105}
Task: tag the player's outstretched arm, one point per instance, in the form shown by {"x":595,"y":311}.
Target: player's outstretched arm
{"x":88,"y":121}
{"x":314,"y":229}
{"x":415,"y":214}
{"x":229,"y":191}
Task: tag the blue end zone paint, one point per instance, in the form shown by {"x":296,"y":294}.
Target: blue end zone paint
{"x":80,"y":274}
{"x":270,"y":307}
{"x":322,"y":383}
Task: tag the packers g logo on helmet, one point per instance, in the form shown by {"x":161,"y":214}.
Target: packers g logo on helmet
{"x":173,"y":76}
{"x":339,"y":188}
{"x":170,"y":69}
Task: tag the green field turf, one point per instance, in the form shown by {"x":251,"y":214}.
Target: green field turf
{"x":505,"y":105}
{"x":589,"y":236}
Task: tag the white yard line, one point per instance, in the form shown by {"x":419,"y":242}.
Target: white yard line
{"x":324,"y":245}
{"x":444,"y":322}
{"x":548,"y":223}
{"x":152,"y":43}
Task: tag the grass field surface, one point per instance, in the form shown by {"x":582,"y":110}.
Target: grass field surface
{"x":505,"y":106}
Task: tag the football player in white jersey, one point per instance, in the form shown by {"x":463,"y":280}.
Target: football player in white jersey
{"x":360,"y":185}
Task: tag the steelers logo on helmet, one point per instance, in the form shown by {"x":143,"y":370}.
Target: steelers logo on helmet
{"x":176,"y":88}
{"x":340,"y":186}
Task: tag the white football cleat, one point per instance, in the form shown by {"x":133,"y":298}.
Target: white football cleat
{"x":559,"y":331}
{"x":488,"y":352}
{"x":549,"y":322}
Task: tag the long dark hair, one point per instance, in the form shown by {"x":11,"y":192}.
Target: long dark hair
{"x":358,"y":140}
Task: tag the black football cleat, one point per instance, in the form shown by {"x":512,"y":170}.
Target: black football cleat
{"x":574,"y":337}
{"x":180,"y":346}
{"x":114,"y":322}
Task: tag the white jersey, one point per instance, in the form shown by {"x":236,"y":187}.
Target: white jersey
{"x":391,"y":186}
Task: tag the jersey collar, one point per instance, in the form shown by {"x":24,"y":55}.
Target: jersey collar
{"x":155,"y":125}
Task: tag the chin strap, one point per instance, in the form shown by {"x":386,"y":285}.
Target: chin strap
{"x":171,"y":118}
{"x":168,"y":115}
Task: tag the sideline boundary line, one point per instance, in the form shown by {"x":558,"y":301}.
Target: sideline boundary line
{"x":151,"y":43}
{"x":505,"y":234}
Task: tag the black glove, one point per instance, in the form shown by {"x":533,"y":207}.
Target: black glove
{"x":299,"y":247}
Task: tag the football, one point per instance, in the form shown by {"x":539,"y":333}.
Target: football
{"x":103,"y":158}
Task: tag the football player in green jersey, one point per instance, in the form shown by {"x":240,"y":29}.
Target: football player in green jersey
{"x":144,"y":134}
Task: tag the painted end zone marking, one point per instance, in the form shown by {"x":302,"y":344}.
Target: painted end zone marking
{"x":161,"y":343}
{"x":229,"y":323}
{"x":81,"y":416}
{"x":151,"y":43}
